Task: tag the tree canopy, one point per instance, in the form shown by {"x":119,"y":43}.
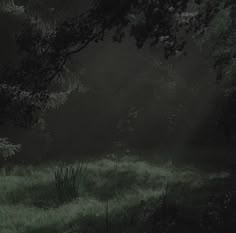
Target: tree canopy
{"x":36,"y":81}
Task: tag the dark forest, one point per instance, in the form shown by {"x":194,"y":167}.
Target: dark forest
{"x":117,"y":116}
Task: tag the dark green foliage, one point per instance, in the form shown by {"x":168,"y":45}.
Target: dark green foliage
{"x":164,"y":218}
{"x":68,"y":181}
{"x":7,"y":149}
{"x":25,"y":88}
{"x":219,"y":214}
{"x":218,"y":41}
{"x":164,"y":215}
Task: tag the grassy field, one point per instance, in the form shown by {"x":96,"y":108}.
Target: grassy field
{"x":116,"y":195}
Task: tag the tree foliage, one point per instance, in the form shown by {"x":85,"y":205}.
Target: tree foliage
{"x":46,"y":44}
{"x":218,"y":42}
{"x":8,"y":149}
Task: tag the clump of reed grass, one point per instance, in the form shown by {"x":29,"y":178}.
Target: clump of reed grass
{"x":68,"y":181}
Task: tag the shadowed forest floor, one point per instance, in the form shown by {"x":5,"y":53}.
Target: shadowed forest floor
{"x":117,"y":195}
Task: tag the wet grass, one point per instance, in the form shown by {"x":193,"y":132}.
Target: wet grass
{"x":118,"y":194}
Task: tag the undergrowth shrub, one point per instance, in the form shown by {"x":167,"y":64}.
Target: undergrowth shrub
{"x":7,"y":149}
{"x":163,"y":215}
{"x":219,"y":214}
{"x":68,"y":181}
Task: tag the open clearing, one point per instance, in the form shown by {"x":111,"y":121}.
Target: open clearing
{"x":114,"y":192}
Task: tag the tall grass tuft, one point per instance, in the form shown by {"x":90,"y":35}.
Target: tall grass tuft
{"x":68,"y":181}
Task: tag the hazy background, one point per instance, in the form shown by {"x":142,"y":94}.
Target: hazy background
{"x":134,"y":98}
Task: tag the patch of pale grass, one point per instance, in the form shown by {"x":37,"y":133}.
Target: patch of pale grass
{"x":128,"y":181}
